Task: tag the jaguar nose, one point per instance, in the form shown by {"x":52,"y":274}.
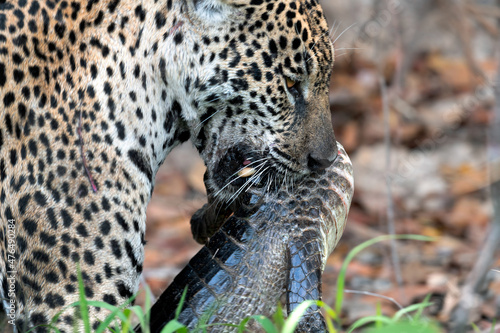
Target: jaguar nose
{"x":318,"y":163}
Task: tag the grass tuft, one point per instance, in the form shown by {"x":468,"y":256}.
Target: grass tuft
{"x":122,"y":319}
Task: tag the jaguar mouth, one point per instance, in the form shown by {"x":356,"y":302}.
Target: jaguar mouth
{"x":240,"y":167}
{"x":243,"y":167}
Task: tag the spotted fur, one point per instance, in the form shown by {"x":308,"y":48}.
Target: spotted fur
{"x":95,"y":93}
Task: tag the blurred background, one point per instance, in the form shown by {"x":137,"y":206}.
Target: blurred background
{"x":421,"y":166}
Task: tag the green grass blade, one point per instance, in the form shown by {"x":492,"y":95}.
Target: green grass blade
{"x":328,"y":310}
{"x":120,"y":312}
{"x":107,"y":306}
{"x":418,"y":315}
{"x":142,"y":317}
{"x":266,"y":323}
{"x":358,"y":249}
{"x":294,"y":318}
{"x":243,"y":324}
{"x":179,"y":306}
{"x":378,"y":323}
{"x":126,"y":325}
{"x":329,"y":325}
{"x":206,"y":315}
{"x":410,"y":308}
{"x":370,"y":319}
{"x":107,"y":321}
{"x":330,"y":316}
{"x":84,"y":311}
{"x":476,"y":329}
{"x":278,"y":317}
{"x":174,"y":326}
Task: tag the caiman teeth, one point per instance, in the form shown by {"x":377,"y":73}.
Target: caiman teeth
{"x":246,"y":172}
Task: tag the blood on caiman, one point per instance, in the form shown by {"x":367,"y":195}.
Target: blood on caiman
{"x":275,"y":244}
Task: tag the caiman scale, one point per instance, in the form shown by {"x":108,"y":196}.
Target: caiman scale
{"x":276,"y":243}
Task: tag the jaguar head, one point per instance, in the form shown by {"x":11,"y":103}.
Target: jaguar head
{"x":262,"y":79}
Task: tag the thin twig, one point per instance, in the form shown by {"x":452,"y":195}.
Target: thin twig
{"x":390,"y":204}
{"x":367,"y":293}
{"x":489,"y":27}
{"x":460,"y":24}
{"x":471,"y":298}
{"x":400,"y":70}
{"x":483,"y":9}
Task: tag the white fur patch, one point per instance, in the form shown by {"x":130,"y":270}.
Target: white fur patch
{"x":213,"y":11}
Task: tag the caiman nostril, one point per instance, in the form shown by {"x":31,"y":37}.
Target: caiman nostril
{"x":318,"y":164}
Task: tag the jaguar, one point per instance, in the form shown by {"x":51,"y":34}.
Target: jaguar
{"x":93,"y":96}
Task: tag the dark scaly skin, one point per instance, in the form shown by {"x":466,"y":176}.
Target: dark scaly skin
{"x":275,"y":242}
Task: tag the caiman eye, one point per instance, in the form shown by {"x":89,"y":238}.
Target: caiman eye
{"x":293,"y":87}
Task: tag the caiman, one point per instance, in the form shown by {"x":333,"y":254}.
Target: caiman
{"x":275,"y":244}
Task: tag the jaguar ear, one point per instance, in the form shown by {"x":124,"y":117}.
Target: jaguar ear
{"x":215,"y":11}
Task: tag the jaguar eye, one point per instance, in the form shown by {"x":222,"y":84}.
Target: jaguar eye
{"x":293,"y":87}
{"x":290,"y":83}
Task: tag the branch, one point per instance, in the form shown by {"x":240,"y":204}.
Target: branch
{"x":390,"y":203}
{"x":471,"y":297}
